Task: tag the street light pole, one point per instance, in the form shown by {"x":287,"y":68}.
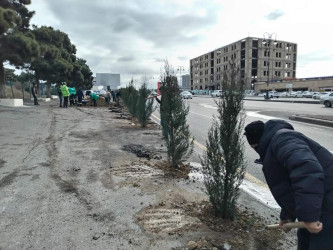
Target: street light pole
{"x":268,"y":41}
{"x":180,"y":69}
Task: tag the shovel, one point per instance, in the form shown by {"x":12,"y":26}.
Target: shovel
{"x":290,"y":225}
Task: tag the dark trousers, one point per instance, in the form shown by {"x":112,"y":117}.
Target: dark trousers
{"x":65,"y":101}
{"x":35,"y":100}
{"x":320,"y":241}
{"x":60,"y":99}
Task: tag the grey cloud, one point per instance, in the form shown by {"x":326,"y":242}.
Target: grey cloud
{"x":311,"y":57}
{"x":275,"y":15}
{"x":160,"y":60}
{"x":116,"y":29}
{"x":183,"y":58}
{"x":126,"y":59}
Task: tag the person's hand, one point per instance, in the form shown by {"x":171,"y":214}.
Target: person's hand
{"x":314,"y":227}
{"x":286,"y":230}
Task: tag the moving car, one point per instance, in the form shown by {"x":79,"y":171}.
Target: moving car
{"x":186,"y":95}
{"x":327,"y":99}
{"x":217,"y":93}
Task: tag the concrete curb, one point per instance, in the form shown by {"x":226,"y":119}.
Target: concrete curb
{"x":276,"y":100}
{"x":311,"y":120}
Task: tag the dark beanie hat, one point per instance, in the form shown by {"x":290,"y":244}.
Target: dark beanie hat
{"x":254,"y":131}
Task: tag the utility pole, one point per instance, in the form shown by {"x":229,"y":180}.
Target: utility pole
{"x":268,"y":42}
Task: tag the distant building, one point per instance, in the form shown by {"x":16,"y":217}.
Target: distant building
{"x":186,"y":82}
{"x":107,"y":80}
{"x":257,"y":61}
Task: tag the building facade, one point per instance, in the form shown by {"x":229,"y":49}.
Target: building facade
{"x":186,"y":82}
{"x":107,"y":80}
{"x":258,"y":62}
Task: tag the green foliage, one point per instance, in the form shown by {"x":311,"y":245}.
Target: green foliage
{"x":18,"y":45}
{"x":129,"y":95}
{"x":7,"y":19}
{"x":173,"y":111}
{"x":144,"y":106}
{"x":223,"y":162}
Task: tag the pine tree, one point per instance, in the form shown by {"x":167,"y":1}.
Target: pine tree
{"x":145,"y":106}
{"x":223,"y":162}
{"x":173,"y":111}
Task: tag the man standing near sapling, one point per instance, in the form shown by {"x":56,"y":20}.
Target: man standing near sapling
{"x":34,"y":94}
{"x":65,"y":94}
{"x":299,"y":173}
{"x":60,"y":94}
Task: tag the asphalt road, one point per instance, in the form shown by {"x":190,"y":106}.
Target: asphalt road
{"x":203,"y":109}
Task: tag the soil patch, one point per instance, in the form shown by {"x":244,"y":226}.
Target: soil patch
{"x":181,"y":171}
{"x":246,"y":231}
{"x":141,"y":151}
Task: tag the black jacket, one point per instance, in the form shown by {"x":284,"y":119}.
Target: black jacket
{"x":298,"y":171}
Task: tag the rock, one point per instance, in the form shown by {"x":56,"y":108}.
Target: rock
{"x":226,"y":246}
{"x":96,"y":237}
{"x":192,"y":245}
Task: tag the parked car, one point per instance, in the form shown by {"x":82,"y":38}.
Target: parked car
{"x":273,"y":94}
{"x":186,"y":95}
{"x":100,"y":92}
{"x":217,"y":93}
{"x":315,"y":94}
{"x":284,"y":94}
{"x":292,"y":94}
{"x":327,"y":99}
{"x":307,"y":94}
{"x":319,"y":95}
{"x":299,"y":94}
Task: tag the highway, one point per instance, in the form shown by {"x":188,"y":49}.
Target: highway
{"x":203,"y":109}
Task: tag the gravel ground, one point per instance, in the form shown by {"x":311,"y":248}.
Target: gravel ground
{"x":73,"y":179}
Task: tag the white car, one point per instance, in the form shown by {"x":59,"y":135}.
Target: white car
{"x":316,"y":95}
{"x":186,"y":95}
{"x":308,"y":94}
{"x":217,"y":93}
{"x":299,"y":94}
{"x":327,"y":99}
{"x":320,"y":95}
{"x":272,"y":94}
{"x":100,"y":92}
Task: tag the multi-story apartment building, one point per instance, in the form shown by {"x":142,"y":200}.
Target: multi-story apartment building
{"x":186,"y":82}
{"x":258,"y":62}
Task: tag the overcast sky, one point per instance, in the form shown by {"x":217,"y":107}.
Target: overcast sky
{"x":133,"y":37}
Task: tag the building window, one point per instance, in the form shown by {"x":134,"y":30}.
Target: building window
{"x":277,"y":73}
{"x":265,"y":63}
{"x":288,"y":56}
{"x":277,"y":64}
{"x":288,"y":65}
{"x":255,"y":43}
{"x":242,"y":64}
{"x":266,"y":53}
{"x":278,"y":54}
{"x":287,"y":74}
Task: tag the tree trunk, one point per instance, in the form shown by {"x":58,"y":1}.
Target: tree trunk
{"x":48,"y":89}
{"x":37,"y":82}
{"x":2,"y":81}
